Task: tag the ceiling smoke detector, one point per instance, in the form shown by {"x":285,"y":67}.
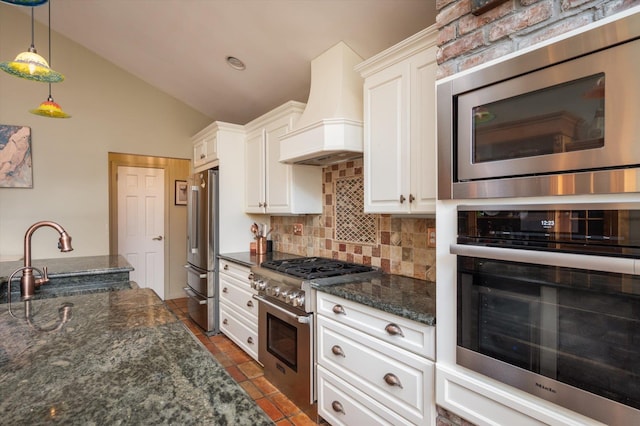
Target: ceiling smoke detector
{"x":235,"y":63}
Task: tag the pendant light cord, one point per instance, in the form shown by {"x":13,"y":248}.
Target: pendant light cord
{"x":49,"y":4}
{"x":33,"y":46}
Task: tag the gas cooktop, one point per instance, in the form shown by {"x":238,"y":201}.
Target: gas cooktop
{"x":315,"y":267}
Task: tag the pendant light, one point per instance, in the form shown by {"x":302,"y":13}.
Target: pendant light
{"x":30,"y":65}
{"x":49,"y":108}
{"x":25,"y":2}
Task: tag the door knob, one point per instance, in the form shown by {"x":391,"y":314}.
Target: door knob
{"x":158,"y":238}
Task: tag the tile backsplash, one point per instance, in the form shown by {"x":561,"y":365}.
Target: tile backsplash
{"x":399,"y":243}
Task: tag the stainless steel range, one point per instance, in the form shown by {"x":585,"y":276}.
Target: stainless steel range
{"x":285,"y":324}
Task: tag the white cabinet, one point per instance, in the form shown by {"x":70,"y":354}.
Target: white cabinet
{"x":205,"y":144}
{"x":400,"y":127}
{"x":238,"y":309}
{"x":373,"y":367}
{"x":271,"y":186}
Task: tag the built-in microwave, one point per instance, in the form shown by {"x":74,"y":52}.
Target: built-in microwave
{"x":561,"y":119}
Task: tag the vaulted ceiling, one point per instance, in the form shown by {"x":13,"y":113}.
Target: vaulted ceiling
{"x":180,"y":46}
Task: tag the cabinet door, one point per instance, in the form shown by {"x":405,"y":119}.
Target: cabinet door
{"x":199,"y":153}
{"x":278,"y":175}
{"x":423,"y":132}
{"x":255,"y":173}
{"x":386,"y":108}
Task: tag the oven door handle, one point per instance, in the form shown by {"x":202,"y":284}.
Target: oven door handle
{"x":568,"y":260}
{"x":302,"y":319}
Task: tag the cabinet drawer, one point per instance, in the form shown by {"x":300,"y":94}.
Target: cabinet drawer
{"x":341,"y":404}
{"x":233,"y":293}
{"x":236,"y":270}
{"x":411,"y":335}
{"x":237,"y":330}
{"x":396,"y":378}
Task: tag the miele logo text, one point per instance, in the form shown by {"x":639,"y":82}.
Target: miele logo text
{"x":547,"y":388}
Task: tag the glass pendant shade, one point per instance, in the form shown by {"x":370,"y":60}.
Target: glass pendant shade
{"x":50,"y":109}
{"x":25,"y":2}
{"x":30,"y":65}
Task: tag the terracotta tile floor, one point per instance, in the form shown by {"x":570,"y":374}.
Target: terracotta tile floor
{"x":247,"y":372}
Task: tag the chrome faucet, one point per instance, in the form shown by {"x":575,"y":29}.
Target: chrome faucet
{"x":28,"y":282}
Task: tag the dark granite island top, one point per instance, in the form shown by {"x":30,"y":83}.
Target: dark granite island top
{"x":71,"y":276}
{"x":403,"y":296}
{"x":124,"y":358}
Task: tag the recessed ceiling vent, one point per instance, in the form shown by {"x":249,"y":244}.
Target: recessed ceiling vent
{"x":330,"y":128}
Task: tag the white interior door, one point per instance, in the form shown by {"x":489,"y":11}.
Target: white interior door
{"x":141,"y":224}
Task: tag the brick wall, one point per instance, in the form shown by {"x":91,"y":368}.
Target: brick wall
{"x":466,"y":40}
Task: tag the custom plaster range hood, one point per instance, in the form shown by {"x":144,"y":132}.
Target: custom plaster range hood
{"x":329,"y":130}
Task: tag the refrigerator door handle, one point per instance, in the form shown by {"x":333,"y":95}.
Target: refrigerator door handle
{"x":190,"y":269}
{"x":193,"y":215}
{"x":192,"y":295}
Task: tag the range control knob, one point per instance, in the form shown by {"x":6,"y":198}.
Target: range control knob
{"x":273,"y":291}
{"x":284,"y":294}
{"x":291,"y":297}
{"x":258,"y":285}
{"x":299,"y":300}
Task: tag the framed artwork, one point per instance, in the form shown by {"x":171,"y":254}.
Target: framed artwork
{"x":16,"y":169}
{"x":181,"y":193}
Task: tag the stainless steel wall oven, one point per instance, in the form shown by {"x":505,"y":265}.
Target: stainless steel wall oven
{"x":558,"y":120}
{"x":548,"y":301}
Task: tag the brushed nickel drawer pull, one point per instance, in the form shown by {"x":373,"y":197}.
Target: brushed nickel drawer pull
{"x":402,"y":199}
{"x":225,"y":321}
{"x":411,"y":198}
{"x":337,"y":407}
{"x":250,"y":340}
{"x":225,"y":267}
{"x":337,"y":350}
{"x":392,"y":380}
{"x":225,"y":290}
{"x":394,"y":329}
{"x":250,"y":304}
{"x":338,"y":309}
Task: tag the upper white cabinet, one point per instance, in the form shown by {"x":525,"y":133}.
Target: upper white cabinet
{"x":400,"y":127}
{"x":271,"y":186}
{"x":205,"y":143}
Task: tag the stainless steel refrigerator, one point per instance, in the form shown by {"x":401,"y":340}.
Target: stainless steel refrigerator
{"x":202,"y":250}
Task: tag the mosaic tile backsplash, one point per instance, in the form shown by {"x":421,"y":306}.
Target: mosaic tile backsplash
{"x":398,"y":245}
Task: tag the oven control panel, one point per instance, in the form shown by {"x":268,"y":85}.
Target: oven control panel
{"x":286,"y":293}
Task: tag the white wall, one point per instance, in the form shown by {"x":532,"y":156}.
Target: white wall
{"x":112,"y":111}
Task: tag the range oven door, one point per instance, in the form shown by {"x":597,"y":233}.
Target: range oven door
{"x":569,"y":335}
{"x":285,"y":348}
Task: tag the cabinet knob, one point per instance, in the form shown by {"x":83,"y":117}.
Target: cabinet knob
{"x":265,"y":204}
{"x":394,"y":329}
{"x":411,"y":198}
{"x":338,"y":309}
{"x":250,"y":340}
{"x":225,"y":321}
{"x":250,"y":304}
{"x":337,"y":407}
{"x":202,"y":156}
{"x":337,"y":350}
{"x":225,"y":267}
{"x":225,"y":290}
{"x":402,"y":199}
{"x":250,"y":277}
{"x":392,"y":380}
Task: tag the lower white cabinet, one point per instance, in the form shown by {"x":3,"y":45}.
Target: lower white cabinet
{"x":365,"y":377}
{"x":238,"y":309}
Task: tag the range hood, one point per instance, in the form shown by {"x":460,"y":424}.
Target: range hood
{"x":329,"y":130}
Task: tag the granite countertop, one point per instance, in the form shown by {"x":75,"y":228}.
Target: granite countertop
{"x":70,"y":266}
{"x":251,"y":259}
{"x":124,"y":358}
{"x":71,"y":276}
{"x":403,"y":296}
